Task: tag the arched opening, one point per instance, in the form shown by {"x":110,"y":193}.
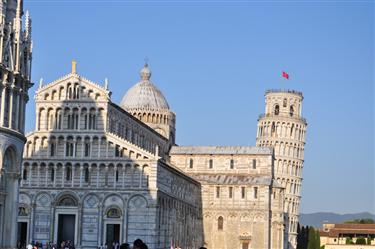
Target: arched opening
{"x":277,"y":110}
{"x":87,"y":175}
{"x":9,"y":159}
{"x":291,"y":111}
{"x":191,"y":163}
{"x":220,"y":223}
{"x":67,"y":201}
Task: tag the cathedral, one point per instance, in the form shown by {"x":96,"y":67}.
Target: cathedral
{"x":95,"y":172}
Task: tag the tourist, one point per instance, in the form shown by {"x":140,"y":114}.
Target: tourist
{"x":125,"y":246}
{"x":137,"y":244}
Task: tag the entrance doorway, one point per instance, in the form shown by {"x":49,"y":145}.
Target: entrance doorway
{"x":112,"y":234}
{"x":22,"y":233}
{"x":66,"y":228}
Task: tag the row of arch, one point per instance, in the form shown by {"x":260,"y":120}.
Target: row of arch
{"x":288,"y":167}
{"x":291,"y":206}
{"x":112,"y":206}
{"x":282,"y":130}
{"x":287,"y":149}
{"x":85,"y":175}
{"x":291,"y":186}
{"x":131,"y":130}
{"x":77,"y":118}
{"x":277,"y":109}
{"x":12,"y":107}
{"x":180,"y":219}
{"x":288,"y":105}
{"x":155,"y":117}
{"x":80,"y":146}
{"x":293,"y":224}
{"x":71,"y":91}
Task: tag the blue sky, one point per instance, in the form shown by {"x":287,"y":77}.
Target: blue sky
{"x":213,"y":60}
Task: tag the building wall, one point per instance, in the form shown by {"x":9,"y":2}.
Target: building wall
{"x":240,"y":204}
{"x":15,"y":66}
{"x":349,"y":246}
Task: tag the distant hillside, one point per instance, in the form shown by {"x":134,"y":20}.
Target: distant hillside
{"x":317,"y":219}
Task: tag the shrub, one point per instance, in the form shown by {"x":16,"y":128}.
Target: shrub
{"x":349,"y":241}
{"x":360,"y":241}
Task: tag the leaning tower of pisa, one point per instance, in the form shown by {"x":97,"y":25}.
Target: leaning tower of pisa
{"x":283,"y":127}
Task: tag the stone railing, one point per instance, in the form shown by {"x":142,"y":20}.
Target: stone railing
{"x":284,"y":91}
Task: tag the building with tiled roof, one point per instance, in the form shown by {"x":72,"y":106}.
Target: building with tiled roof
{"x":345,"y":236}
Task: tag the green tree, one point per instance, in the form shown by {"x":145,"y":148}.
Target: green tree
{"x":302,"y":237}
{"x":360,"y":241}
{"x":368,"y":240}
{"x":312,"y":241}
{"x":349,"y":241}
{"x":317,"y":239}
{"x":360,"y":221}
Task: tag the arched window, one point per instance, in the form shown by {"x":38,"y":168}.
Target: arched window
{"x":52,"y":178}
{"x":58,"y":119}
{"x":277,"y":110}
{"x":87,"y":149}
{"x":67,"y":201}
{"x":217,"y":192}
{"x":220,"y":223}
{"x":255,"y":192}
{"x":69,"y":149}
{"x":87,"y":175}
{"x":24,"y":177}
{"x":117,"y":175}
{"x":231,"y":163}
{"x":9,"y":157}
{"x":113,"y":213}
{"x":273,"y":128}
{"x":68,"y":176}
{"x":291,"y":130}
{"x":211,"y":163}
{"x":291,"y":112}
{"x":23,"y":211}
{"x":254,"y":163}
{"x":191,"y":163}
{"x":285,"y":101}
{"x":52,"y":149}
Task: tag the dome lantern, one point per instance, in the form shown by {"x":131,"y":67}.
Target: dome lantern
{"x":145,"y":72}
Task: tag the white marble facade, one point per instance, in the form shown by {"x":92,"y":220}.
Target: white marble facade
{"x":93,"y":167}
{"x":96,"y":172}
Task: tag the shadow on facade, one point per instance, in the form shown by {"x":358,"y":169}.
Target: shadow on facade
{"x":93,"y":175}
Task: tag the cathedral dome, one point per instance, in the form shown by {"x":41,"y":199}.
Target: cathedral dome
{"x":144,"y":94}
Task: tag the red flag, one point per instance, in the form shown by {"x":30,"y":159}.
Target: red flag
{"x":285,"y":75}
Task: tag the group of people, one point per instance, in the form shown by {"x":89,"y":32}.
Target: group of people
{"x":137,"y":244}
{"x":48,"y":245}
